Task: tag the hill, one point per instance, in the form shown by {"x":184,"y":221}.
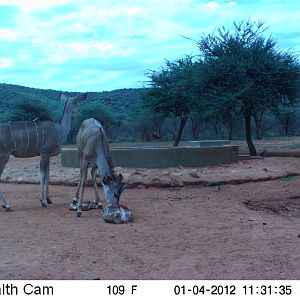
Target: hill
{"x":118,"y":102}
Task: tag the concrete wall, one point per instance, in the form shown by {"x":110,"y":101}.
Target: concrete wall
{"x":149,"y":157}
{"x":208,"y":143}
{"x":197,"y":143}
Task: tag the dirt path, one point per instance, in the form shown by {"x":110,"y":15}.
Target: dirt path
{"x":247,"y":231}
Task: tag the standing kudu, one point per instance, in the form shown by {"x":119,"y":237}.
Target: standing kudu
{"x":93,"y":150}
{"x":37,"y":138}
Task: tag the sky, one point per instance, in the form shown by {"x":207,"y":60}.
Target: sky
{"x":102,"y":45}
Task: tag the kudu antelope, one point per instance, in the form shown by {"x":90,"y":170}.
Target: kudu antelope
{"x":93,"y":151}
{"x":37,"y":138}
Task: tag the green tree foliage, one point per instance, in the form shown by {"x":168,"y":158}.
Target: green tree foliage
{"x":245,"y":73}
{"x":286,"y":115}
{"x":146,"y":122}
{"x":22,"y":103}
{"x":172,"y":91}
{"x":96,"y":111}
{"x":41,"y":103}
{"x":118,"y":102}
{"x":24,"y":110}
{"x":28,"y":107}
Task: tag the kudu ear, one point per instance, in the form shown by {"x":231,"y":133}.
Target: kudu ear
{"x":79,"y":98}
{"x":107,"y":180}
{"x":63,"y":98}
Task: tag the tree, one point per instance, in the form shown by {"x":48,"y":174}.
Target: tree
{"x":258,"y":117}
{"x":196,"y":122}
{"x":246,"y":73}
{"x":25,"y":109}
{"x":172,"y":91}
{"x":146,"y":121}
{"x":286,"y":115}
{"x":93,"y":110}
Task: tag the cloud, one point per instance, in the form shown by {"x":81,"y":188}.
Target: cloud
{"x":6,"y":63}
{"x":212,"y":5}
{"x":109,"y":44}
{"x":8,"y":35}
{"x":33,"y":5}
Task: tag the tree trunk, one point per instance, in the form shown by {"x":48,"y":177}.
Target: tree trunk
{"x":230,"y":130}
{"x":258,"y":133}
{"x":194,"y":125}
{"x":251,"y":147}
{"x":257,"y":130}
{"x":174,"y":128}
{"x":257,"y":121}
{"x":195,"y":132}
{"x":160,"y":133}
{"x":182,"y":123}
{"x":216,"y":128}
{"x":158,"y":123}
{"x":286,"y":126}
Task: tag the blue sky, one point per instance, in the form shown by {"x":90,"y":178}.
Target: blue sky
{"x":97,"y":45}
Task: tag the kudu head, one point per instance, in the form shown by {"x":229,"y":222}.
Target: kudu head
{"x":113,"y":187}
{"x":70,"y":103}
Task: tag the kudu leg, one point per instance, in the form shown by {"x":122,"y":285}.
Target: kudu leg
{"x":74,"y":202}
{"x":43,"y":172}
{"x":76,"y":197}
{"x":84,"y":168}
{"x":93,"y":174}
{"x":47,"y":184}
{"x":3,"y":161}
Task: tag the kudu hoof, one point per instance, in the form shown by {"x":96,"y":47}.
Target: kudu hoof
{"x":7,"y":208}
{"x":78,"y":214}
{"x":49,"y":201}
{"x":44,"y":204}
{"x":73,"y":204}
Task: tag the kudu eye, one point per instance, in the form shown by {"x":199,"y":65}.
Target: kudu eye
{"x":116,"y":195}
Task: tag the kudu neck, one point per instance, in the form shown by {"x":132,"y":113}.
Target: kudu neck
{"x":64,"y":125}
{"x":103,"y":163}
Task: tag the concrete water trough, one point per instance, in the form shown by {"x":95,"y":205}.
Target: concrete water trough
{"x":196,"y":143}
{"x":161,"y":156}
{"x":208,"y":143}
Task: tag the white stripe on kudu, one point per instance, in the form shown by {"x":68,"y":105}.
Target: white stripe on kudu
{"x":37,"y":137}
{"x":27,"y":135}
{"x":12,"y":135}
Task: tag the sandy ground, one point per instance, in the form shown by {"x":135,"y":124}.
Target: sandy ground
{"x":20,"y":170}
{"x":232,"y":231}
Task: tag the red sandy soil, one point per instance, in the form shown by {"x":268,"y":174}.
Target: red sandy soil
{"x":20,"y":170}
{"x":231,"y":231}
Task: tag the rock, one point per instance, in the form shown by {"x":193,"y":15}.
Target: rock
{"x":116,"y":213}
{"x":194,"y":174}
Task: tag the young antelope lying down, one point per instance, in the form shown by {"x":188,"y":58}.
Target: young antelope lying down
{"x":93,"y":151}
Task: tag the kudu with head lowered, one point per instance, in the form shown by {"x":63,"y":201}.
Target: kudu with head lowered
{"x":93,"y":151}
{"x":37,"y":138}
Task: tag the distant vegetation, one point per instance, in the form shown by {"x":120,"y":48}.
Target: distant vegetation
{"x":111,"y":108}
{"x":240,"y":86}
